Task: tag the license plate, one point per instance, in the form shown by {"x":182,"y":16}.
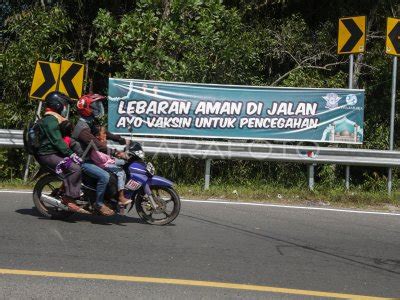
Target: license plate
{"x":133,"y":185}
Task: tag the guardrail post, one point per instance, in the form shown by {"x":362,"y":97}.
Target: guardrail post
{"x":207,"y":174}
{"x":26,"y":174}
{"x":310,"y":176}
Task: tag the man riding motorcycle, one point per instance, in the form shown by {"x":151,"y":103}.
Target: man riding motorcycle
{"x":91,"y":111}
{"x":53,"y":150}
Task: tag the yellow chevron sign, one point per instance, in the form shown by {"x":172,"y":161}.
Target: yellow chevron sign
{"x":44,"y":79}
{"x":351,"y":35}
{"x":71,"y":79}
{"x":393,"y":36}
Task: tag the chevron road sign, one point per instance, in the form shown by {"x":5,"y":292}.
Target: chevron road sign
{"x":393,"y":36}
{"x":44,"y":79}
{"x":71,"y":79}
{"x":351,"y":35}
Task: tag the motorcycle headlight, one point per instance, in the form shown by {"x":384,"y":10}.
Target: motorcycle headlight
{"x":150,"y":168}
{"x":139,"y":154}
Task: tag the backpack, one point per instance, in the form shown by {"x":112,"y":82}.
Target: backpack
{"x":32,"y":137}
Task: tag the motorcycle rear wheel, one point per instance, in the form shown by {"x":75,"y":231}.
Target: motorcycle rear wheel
{"x":163,"y":197}
{"x":49,"y":184}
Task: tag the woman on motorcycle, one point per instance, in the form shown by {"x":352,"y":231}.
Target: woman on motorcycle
{"x":53,"y":151}
{"x":91,"y":111}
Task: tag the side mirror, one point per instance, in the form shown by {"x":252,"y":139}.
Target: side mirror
{"x":130,"y":128}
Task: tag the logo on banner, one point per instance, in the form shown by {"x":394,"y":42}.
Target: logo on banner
{"x":332,"y":100}
{"x":351,"y":99}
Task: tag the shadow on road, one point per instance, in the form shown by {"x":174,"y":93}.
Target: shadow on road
{"x":376,"y":263}
{"x":28,"y":211}
{"x":94,"y":219}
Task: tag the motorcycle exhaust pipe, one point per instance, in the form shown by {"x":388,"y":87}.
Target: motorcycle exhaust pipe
{"x":53,"y":201}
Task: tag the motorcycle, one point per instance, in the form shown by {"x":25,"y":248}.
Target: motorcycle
{"x":154,"y":197}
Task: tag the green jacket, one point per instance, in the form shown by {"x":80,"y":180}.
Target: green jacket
{"x":51,"y":139}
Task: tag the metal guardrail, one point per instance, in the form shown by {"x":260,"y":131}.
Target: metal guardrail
{"x":273,"y":152}
{"x":209,"y":150}
{"x":11,"y":138}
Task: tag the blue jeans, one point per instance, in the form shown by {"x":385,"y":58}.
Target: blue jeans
{"x":102,"y":178}
{"x":114,"y":168}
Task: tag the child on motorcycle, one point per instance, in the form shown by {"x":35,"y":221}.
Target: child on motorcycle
{"x":110,"y":164}
{"x":66,"y":129}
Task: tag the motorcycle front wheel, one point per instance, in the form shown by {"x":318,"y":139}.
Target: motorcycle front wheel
{"x":50,"y":185}
{"x":169,"y":206}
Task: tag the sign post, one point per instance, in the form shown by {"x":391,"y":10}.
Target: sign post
{"x":392,"y":48}
{"x":351,"y":40}
{"x":351,"y":68}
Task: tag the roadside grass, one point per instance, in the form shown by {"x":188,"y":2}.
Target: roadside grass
{"x":16,"y":184}
{"x":273,"y":193}
{"x":321,"y":196}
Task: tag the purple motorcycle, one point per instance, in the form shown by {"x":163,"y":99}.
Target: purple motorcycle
{"x":153,"y":196}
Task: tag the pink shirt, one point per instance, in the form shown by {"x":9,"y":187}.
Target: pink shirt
{"x":101,"y":159}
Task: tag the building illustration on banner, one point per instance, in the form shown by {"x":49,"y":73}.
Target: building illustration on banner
{"x":343,"y":130}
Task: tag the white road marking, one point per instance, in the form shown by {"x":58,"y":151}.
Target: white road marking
{"x":15,"y":192}
{"x":258,"y":204}
{"x":291,"y":206}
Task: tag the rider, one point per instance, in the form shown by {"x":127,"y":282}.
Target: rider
{"x":91,"y":111}
{"x":53,"y":151}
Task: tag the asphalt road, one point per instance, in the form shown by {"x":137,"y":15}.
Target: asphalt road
{"x":299,"y":251}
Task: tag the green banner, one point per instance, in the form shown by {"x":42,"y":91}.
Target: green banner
{"x":235,"y":112}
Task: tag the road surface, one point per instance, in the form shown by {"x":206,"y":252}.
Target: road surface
{"x":212,"y":251}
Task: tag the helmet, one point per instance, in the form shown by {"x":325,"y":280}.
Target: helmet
{"x":90,"y":104}
{"x":57,"y":101}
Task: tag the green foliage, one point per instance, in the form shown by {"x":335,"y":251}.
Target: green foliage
{"x":33,"y":35}
{"x":276,"y":42}
{"x":378,"y":135}
{"x":197,"y":41}
{"x":328,"y":176}
{"x":373,"y":182}
{"x":8,"y":169}
{"x":315,"y":79}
